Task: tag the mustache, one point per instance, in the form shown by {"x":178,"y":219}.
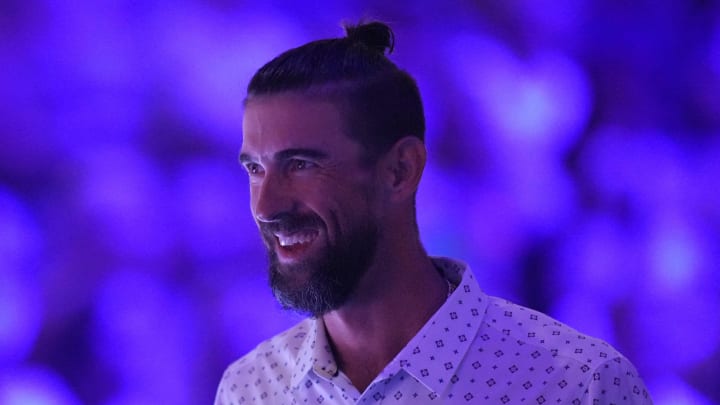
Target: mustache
{"x":288,"y":223}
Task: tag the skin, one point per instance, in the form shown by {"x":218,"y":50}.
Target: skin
{"x":301,"y":160}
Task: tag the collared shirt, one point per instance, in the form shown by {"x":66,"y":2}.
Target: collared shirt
{"x":474,"y":349}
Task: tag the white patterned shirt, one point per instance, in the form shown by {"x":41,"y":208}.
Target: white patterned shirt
{"x":475,"y":349}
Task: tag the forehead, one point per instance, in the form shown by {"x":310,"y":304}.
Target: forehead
{"x":276,"y":122}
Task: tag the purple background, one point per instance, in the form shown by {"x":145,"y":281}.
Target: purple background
{"x":574,"y":156}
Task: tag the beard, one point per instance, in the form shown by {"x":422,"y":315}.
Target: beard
{"x":324,"y":282}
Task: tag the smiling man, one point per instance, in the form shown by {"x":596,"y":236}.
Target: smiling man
{"x":333,"y":143}
{"x":310,"y":196}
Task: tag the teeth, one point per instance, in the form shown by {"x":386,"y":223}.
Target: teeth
{"x":296,"y":238}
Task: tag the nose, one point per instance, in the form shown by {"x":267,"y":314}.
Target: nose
{"x":271,"y":198}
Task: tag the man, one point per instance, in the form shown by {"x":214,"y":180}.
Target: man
{"x":333,"y":144}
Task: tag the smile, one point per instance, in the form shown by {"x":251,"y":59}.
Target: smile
{"x":296,"y":238}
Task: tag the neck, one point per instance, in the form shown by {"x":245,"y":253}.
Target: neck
{"x":397,"y":296}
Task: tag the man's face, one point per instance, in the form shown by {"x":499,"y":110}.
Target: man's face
{"x":311,"y":198}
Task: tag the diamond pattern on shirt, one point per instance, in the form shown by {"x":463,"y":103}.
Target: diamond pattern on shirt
{"x":475,"y":348}
{"x":441,"y":344}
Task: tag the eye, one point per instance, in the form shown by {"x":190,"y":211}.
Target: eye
{"x":298,"y":164}
{"x":253,"y":168}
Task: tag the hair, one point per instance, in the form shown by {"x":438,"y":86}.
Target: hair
{"x":380,"y":102}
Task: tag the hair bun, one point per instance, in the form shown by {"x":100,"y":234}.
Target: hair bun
{"x":375,"y":35}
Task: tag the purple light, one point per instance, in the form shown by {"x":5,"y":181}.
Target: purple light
{"x":35,"y":386}
{"x":208,"y":56}
{"x":585,"y":312}
{"x":646,"y":167}
{"x":126,"y":398}
{"x":494,"y":226}
{"x":672,"y":390}
{"x":459,"y":219}
{"x":581,"y":133}
{"x":20,"y":317}
{"x":20,"y":300}
{"x":714,"y":54}
{"x":75,"y":43}
{"x":539,"y":103}
{"x":677,"y":256}
{"x":556,"y":19}
{"x":248,"y":312}
{"x":213,"y":209}
{"x":146,"y":330}
{"x":688,"y":317}
{"x":89,"y":77}
{"x":543,"y":192}
{"x":594,"y":258}
{"x":703,"y":190}
{"x":440,"y":212}
{"x":123,"y":195}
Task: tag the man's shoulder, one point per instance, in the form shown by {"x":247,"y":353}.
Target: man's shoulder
{"x":266,"y":370}
{"x":541,"y":331}
{"x":280,"y":352}
{"x":527,"y":344}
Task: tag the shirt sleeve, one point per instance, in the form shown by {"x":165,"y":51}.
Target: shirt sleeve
{"x":616,"y":382}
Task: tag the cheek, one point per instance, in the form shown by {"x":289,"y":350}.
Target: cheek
{"x":254,"y":192}
{"x":341,"y":203}
{"x":352,"y":208}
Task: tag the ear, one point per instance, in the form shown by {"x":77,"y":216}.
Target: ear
{"x":402,"y":167}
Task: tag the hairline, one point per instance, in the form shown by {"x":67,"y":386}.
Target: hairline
{"x":337,"y":94}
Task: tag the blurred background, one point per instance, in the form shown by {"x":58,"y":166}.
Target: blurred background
{"x":574,"y":154}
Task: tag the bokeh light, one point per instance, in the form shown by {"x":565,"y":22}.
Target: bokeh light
{"x":35,"y":386}
{"x":21,"y":305}
{"x":573,"y":156}
{"x":673,"y":391}
{"x":147,"y":335}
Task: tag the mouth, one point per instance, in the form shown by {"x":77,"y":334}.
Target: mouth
{"x":292,"y":246}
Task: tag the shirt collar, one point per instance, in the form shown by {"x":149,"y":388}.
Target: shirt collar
{"x":437,"y":350}
{"x":315,"y":354}
{"x":433,"y":354}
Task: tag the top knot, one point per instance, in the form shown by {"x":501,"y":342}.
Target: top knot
{"x":374,"y":35}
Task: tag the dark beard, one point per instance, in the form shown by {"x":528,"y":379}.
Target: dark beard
{"x":328,"y":280}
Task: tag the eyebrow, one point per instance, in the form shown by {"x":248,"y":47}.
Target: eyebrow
{"x":315,"y":154}
{"x":286,"y":154}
